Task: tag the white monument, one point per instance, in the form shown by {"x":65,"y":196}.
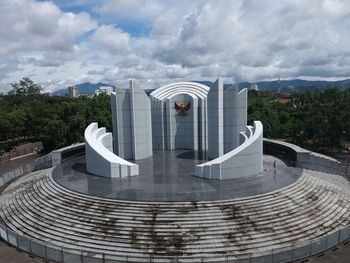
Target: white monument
{"x":187,"y":115}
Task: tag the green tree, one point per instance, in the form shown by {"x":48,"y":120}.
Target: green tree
{"x":26,"y":87}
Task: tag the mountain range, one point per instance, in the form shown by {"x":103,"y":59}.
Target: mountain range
{"x":272,"y":86}
{"x":291,"y":85}
{"x":86,"y":88}
{"x":298,"y":85}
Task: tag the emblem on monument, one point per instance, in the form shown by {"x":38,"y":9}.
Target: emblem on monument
{"x":182,"y":107}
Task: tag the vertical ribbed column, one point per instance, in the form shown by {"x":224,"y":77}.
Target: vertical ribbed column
{"x":242,"y":110}
{"x":195,"y":123}
{"x":141,"y":123}
{"x":114,"y":122}
{"x":169,"y":126}
{"x":157,"y":124}
{"x":132,"y":124}
{"x":231,"y":133}
{"x":121,"y":118}
{"x":215,"y":120}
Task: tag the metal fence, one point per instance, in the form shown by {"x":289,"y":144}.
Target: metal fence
{"x":294,"y":251}
{"x":40,"y":163}
{"x":5,"y":178}
{"x":43,"y":162}
{"x":21,"y":150}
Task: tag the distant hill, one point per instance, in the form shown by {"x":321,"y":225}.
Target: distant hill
{"x":298,"y":85}
{"x":84,"y":89}
{"x":285,"y":85}
{"x":290,"y":85}
{"x":204,"y":82}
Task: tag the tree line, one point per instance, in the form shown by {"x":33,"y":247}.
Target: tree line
{"x":56,"y":121}
{"x":317,"y":120}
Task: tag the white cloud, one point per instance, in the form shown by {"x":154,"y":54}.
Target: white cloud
{"x":261,"y":39}
{"x":176,"y":71}
{"x":31,"y":25}
{"x":243,"y":40}
{"x":165,"y":25}
{"x":134,"y":9}
{"x":113,"y":39}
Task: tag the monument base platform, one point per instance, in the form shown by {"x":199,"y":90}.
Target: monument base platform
{"x":168,"y":176}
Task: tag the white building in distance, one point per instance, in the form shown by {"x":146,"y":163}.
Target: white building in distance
{"x":73,"y":92}
{"x":104,"y":90}
{"x":11,"y":92}
{"x":254,"y":87}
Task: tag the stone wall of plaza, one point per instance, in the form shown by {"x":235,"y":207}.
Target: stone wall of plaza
{"x":299,"y":157}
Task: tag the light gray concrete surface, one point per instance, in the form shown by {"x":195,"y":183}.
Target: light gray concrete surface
{"x":169,"y":176}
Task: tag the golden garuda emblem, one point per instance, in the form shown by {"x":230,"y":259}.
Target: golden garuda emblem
{"x":182,"y":107}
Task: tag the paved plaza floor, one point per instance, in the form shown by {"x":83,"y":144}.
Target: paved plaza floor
{"x":170,"y":176}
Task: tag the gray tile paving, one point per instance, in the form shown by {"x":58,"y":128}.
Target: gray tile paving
{"x":169,"y":176}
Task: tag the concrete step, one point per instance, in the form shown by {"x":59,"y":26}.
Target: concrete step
{"x":46,"y":211}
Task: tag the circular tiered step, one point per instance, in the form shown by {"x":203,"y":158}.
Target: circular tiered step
{"x":36,"y":206}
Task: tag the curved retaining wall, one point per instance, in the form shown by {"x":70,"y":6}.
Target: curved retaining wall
{"x":100,"y":159}
{"x":299,"y":157}
{"x":63,"y":153}
{"x":245,"y":160}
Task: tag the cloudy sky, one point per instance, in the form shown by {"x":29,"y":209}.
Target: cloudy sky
{"x":59,"y":43}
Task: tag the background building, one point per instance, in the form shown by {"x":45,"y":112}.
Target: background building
{"x":104,"y":90}
{"x":73,"y":92}
{"x":254,"y":87}
{"x":11,"y":92}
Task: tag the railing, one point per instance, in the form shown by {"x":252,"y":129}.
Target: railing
{"x":21,"y":151}
{"x":5,"y":178}
{"x":295,"y":251}
{"x":293,"y":155}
